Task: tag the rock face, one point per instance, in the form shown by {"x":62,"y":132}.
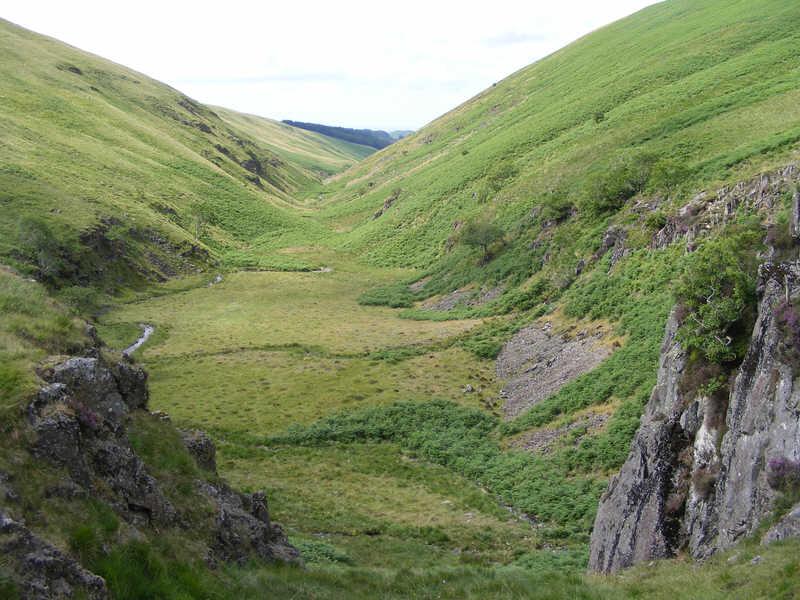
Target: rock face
{"x":77,"y":422}
{"x":698,"y":476}
{"x":42,"y":571}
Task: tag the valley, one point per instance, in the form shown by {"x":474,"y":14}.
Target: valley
{"x":438,"y":360}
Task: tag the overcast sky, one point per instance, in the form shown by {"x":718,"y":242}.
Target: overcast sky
{"x":379,"y":65}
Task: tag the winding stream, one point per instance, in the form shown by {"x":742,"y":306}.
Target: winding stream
{"x":147,"y":331}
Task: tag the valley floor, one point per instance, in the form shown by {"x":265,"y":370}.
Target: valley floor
{"x":260,"y":355}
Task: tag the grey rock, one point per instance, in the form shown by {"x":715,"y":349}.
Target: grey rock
{"x":110,"y":391}
{"x":463,"y":297}
{"x":787,"y":527}
{"x":140,"y":496}
{"x":201,"y":448}
{"x":536,"y":363}
{"x":244,"y":529}
{"x":7,"y":491}
{"x":684,"y":484}
{"x":41,"y":570}
{"x":98,"y":457}
{"x":763,"y":421}
{"x":611,"y":237}
{"x":795,"y":224}
{"x":633,"y":523}
{"x":58,"y":433}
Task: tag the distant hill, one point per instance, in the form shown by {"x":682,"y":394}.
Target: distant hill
{"x":320,"y":154}
{"x":365,"y":137}
{"x":400,"y":134}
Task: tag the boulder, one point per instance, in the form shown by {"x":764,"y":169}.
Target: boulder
{"x":201,"y":448}
{"x":787,"y":527}
{"x":244,"y":530}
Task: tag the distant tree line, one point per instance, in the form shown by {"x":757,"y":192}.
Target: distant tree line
{"x":365,"y":137}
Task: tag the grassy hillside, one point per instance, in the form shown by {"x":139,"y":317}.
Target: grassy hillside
{"x":706,"y":89}
{"x":110,"y":178}
{"x":311,"y":150}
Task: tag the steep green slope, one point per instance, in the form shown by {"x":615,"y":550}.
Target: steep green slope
{"x":311,"y":150}
{"x":108,"y":177}
{"x":710,"y":87}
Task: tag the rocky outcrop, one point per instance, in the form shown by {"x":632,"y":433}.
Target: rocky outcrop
{"x":462,"y":298}
{"x":703,"y":213}
{"x":787,"y":527}
{"x":243,"y":528}
{"x":202,"y":449}
{"x":537,"y":362}
{"x":632,"y":522}
{"x":42,"y":571}
{"x":77,"y":422}
{"x":698,"y":476}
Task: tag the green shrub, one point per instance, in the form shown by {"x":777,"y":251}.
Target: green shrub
{"x":461,"y":439}
{"x":12,"y":381}
{"x":556,"y":206}
{"x":655,"y":220}
{"x":524,"y":299}
{"x":480,"y":234}
{"x":85,"y":542}
{"x":668,"y":174}
{"x":8,"y":589}
{"x":395,"y":355}
{"x":489,"y":349}
{"x":319,"y":552}
{"x":717,"y":292}
{"x":82,"y":300}
{"x":40,"y":245}
{"x":499,"y":173}
{"x":608,"y":188}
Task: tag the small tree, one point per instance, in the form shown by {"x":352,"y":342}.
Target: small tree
{"x":481,"y":234}
{"x":717,"y":289}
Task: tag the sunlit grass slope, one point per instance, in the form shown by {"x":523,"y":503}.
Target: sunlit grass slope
{"x":261,"y":351}
{"x":713,"y":85}
{"x":308,"y":149}
{"x":129,"y":178}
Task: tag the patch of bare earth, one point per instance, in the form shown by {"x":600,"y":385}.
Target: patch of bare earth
{"x":538,"y":361}
{"x":545,"y":440}
{"x":462,"y":297}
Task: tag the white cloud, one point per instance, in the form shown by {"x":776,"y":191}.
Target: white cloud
{"x":351,"y":63}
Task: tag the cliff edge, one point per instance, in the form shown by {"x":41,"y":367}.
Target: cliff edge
{"x":704,"y":471}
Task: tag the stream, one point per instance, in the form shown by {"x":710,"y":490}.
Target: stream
{"x":147,"y":330}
